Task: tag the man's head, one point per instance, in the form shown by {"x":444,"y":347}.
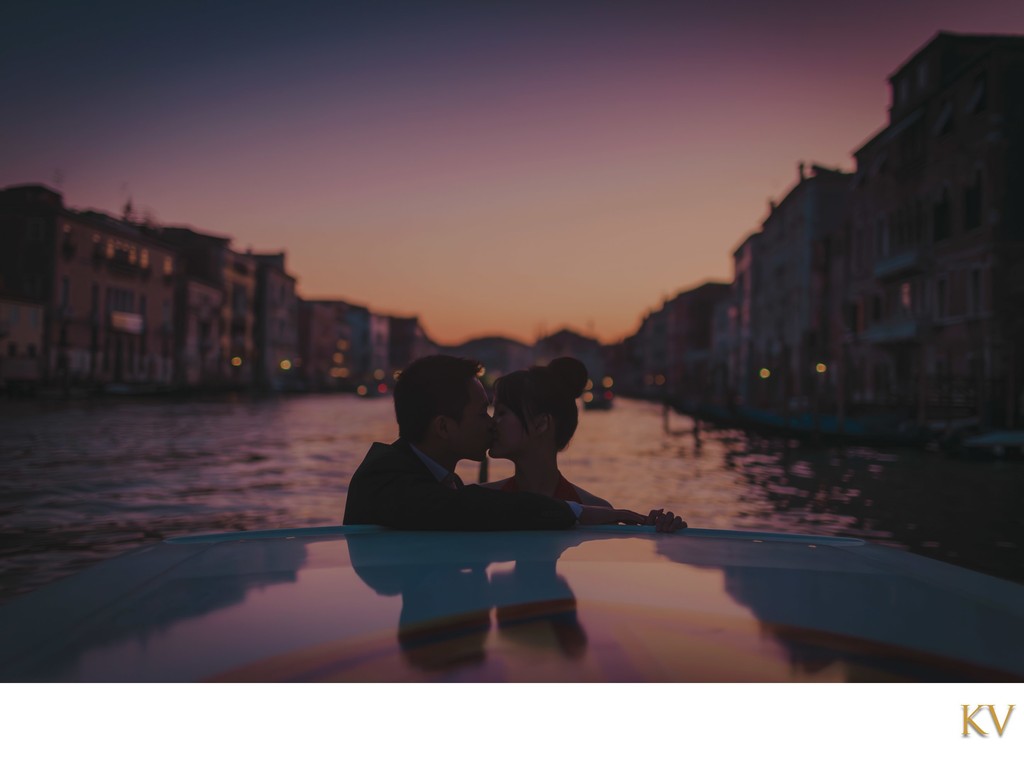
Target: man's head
{"x":440,"y":404}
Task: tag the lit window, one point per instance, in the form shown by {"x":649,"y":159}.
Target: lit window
{"x":144,"y":259}
{"x":168,"y":266}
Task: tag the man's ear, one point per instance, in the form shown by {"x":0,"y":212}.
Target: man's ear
{"x":541,"y":423}
{"x":441,"y":426}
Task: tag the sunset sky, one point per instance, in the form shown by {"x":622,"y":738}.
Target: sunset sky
{"x":495,"y":168}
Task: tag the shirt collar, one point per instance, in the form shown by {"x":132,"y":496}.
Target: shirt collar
{"x":436,"y":469}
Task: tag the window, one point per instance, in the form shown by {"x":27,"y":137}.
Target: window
{"x":33,"y":317}
{"x":972,"y":203}
{"x":35,"y":230}
{"x":906,"y":298}
{"x":922,"y":75}
{"x":14,"y":316}
{"x":944,"y":123}
{"x":977,"y":101}
{"x":12,"y":349}
{"x":941,"y":223}
{"x":901,"y":91}
{"x":65,"y":291}
{"x":940,"y":298}
{"x":974,"y":294}
{"x":168,"y":266}
{"x":95,"y":300}
{"x":31,"y":350}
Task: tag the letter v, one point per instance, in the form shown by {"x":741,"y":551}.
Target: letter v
{"x":1000,"y":728}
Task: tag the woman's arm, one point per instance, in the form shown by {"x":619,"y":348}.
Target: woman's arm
{"x":589,"y":499}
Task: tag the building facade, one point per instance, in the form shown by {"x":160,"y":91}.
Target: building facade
{"x":935,"y":304}
{"x":107,"y":290}
{"x":276,"y":331}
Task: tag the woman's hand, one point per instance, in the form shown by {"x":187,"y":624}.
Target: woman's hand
{"x":664,"y":522}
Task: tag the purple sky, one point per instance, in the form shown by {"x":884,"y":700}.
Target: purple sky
{"x":492,"y":168}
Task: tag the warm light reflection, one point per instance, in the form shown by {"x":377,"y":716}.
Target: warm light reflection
{"x":764,"y":374}
{"x":588,"y":397}
{"x":286,"y":364}
{"x":607,"y":382}
{"x":821,"y":368}
{"x":361,"y":390}
{"x":236,"y":361}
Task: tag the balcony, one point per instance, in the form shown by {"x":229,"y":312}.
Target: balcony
{"x":908,"y":261}
{"x":904,"y":329}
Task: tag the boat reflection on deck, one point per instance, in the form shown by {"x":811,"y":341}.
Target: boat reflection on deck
{"x":620,"y":604}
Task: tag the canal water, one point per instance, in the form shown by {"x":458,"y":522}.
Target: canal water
{"x":87,"y":480}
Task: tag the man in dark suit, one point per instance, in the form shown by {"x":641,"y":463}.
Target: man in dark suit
{"x":411,"y":484}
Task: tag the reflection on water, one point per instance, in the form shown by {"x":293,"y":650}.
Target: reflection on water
{"x":85,"y":481}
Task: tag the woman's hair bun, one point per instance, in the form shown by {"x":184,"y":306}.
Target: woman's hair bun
{"x":570,"y":375}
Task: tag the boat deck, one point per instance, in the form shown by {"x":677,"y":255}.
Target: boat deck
{"x":589,"y":604}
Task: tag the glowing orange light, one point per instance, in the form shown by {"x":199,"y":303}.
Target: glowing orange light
{"x":286,"y":364}
{"x":236,"y":361}
{"x":588,"y":397}
{"x":361,"y":390}
{"x":607,"y":382}
{"x":764,"y":374}
{"x":821,"y":368}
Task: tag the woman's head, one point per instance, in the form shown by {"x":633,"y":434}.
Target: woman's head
{"x":538,"y":400}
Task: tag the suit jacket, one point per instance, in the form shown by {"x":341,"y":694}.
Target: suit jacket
{"x":394,"y":488}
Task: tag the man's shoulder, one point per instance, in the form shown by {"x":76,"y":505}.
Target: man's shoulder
{"x":390,"y":456}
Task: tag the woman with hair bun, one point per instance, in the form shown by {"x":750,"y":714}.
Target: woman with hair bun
{"x":535,"y":417}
